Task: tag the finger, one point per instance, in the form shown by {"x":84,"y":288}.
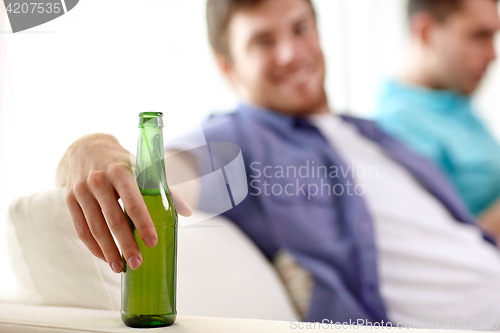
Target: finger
{"x":124,"y":184}
{"x":81,"y":227}
{"x":180,"y":203}
{"x":115,"y":217}
{"x":99,"y":228}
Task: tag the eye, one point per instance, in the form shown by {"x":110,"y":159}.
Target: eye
{"x":482,"y":35}
{"x":301,"y":29}
{"x":265,"y":42}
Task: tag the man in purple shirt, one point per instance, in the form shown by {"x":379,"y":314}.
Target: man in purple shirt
{"x":379,"y":230}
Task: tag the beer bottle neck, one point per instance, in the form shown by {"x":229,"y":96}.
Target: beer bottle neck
{"x":150,"y":164}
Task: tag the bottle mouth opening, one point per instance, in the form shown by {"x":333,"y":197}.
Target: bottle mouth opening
{"x":150,"y":114}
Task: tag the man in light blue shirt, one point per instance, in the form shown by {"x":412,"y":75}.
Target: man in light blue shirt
{"x":429,"y":105}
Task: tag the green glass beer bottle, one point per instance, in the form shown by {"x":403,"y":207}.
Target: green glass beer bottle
{"x":148,"y":292}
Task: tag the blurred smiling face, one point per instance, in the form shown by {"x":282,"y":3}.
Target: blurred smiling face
{"x":276,"y":59}
{"x":463,"y":46}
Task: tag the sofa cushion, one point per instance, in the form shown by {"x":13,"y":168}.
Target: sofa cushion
{"x":220,"y":271}
{"x":52,"y":266}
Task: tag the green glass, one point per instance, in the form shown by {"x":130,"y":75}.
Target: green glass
{"x":149,"y":292}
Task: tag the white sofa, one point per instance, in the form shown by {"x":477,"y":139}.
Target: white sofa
{"x":224,"y":282}
{"x":220,"y":271}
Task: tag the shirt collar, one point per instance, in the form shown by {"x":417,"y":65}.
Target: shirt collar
{"x":278,"y":119}
{"x":287,"y":122}
{"x":430,"y":99}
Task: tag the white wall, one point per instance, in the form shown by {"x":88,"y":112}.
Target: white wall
{"x":95,"y":68}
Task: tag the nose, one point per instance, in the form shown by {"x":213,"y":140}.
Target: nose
{"x":286,"y":52}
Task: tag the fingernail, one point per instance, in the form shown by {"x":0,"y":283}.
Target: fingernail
{"x":116,"y":266}
{"x":134,"y":262}
{"x":150,"y":241}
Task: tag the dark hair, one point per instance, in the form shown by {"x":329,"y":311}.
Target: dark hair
{"x":219,"y":13}
{"x":439,"y":9}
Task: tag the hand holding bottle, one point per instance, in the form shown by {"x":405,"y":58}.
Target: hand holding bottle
{"x":96,"y":171}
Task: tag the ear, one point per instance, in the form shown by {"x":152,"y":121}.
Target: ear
{"x":226,"y":67}
{"x":421,"y":27}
